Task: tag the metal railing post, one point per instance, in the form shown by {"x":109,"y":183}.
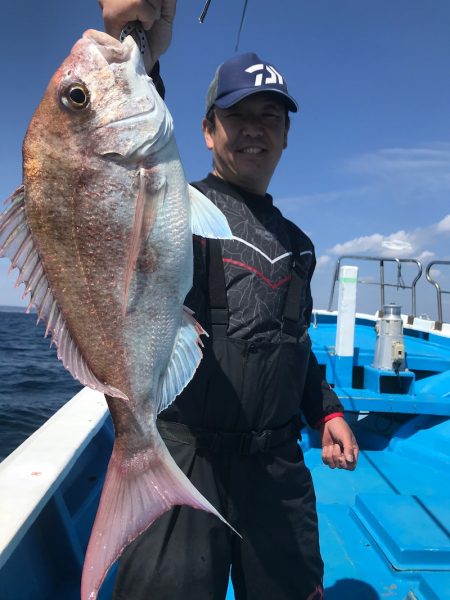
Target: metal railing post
{"x":382,"y":283}
{"x":439,"y":291}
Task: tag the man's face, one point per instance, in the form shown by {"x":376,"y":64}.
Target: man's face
{"x":247,"y":140}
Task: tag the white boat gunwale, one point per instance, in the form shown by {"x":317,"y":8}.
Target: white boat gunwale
{"x":31,"y":474}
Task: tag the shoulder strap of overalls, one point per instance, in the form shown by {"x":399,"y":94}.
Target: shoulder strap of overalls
{"x":293,"y":303}
{"x":217,"y":290}
{"x":217,"y":312}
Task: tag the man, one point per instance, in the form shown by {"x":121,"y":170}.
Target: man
{"x":234,"y":429}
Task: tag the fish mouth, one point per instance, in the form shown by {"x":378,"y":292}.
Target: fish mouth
{"x":111,"y":49}
{"x":135,"y":149}
{"x":125,"y":148}
{"x":130,"y":120}
{"x":148,"y":125}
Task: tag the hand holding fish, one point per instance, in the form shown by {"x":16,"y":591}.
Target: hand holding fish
{"x":155,"y":16}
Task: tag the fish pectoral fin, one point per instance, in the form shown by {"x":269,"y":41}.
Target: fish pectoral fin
{"x":140,"y":486}
{"x":206,"y":219}
{"x":16,"y":243}
{"x":184,"y":360}
{"x":151,"y":193}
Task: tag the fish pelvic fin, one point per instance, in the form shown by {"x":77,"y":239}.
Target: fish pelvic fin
{"x":151,"y":192}
{"x":206,"y":219}
{"x":139,"y":488}
{"x":17,"y":244}
{"x":184,"y":361}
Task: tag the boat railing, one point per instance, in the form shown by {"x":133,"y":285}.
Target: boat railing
{"x":439,"y":290}
{"x":382,"y":283}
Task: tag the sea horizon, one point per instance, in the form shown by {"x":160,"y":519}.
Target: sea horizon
{"x":15,"y":309}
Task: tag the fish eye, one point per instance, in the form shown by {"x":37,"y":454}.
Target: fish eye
{"x":75,"y":96}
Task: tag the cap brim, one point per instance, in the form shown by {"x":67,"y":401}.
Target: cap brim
{"x":229,"y":99}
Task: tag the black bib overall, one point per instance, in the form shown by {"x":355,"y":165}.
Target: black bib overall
{"x":234,"y":432}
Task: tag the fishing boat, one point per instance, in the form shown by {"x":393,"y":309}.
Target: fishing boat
{"x":385,"y":527}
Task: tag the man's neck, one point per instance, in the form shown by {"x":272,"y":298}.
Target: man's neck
{"x":240,"y":186}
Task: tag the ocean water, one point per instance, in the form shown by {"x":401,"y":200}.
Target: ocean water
{"x":33,"y":382}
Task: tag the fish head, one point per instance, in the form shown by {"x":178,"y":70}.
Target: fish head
{"x":99,"y":103}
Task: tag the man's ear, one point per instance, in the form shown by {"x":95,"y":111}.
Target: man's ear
{"x":207,"y":128}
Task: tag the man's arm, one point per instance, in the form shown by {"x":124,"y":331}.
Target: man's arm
{"x":324,"y":411}
{"x":155,"y":16}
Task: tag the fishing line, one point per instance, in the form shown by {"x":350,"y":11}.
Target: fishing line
{"x":244,"y":11}
{"x":204,"y":11}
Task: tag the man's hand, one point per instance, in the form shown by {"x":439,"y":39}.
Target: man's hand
{"x":339,"y":446}
{"x":156,"y":17}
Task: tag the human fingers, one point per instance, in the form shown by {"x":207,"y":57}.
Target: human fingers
{"x":117,"y":13}
{"x":350,"y":451}
{"x":160,"y":35}
{"x":168,"y":9}
{"x":331,"y":455}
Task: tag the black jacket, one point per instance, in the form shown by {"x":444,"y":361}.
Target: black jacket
{"x":257,"y":266}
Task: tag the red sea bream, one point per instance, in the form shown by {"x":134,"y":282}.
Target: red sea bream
{"x":101,"y":232}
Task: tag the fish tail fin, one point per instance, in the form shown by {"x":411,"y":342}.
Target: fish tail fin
{"x":138,"y":489}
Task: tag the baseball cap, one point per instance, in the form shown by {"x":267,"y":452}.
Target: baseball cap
{"x":242,"y":76}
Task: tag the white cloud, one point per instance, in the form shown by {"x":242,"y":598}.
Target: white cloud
{"x":333,"y":197}
{"x":435,"y":273}
{"x":323,"y":261}
{"x":419,"y":243}
{"x":399,"y":244}
{"x":402,"y":186}
{"x":360,"y":244}
{"x":405,"y":175}
{"x":443,"y":225}
{"x":395,"y":182}
{"x":426,"y":256}
{"x":433,"y":158}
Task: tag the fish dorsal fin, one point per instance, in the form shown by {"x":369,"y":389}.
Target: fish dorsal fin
{"x":184,"y":360}
{"x":206,"y":219}
{"x":16,"y":243}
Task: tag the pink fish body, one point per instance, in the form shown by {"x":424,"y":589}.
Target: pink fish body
{"x":101,"y":231}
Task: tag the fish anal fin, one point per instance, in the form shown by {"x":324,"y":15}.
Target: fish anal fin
{"x":184,"y":360}
{"x":138,"y":489}
{"x":206,"y":219}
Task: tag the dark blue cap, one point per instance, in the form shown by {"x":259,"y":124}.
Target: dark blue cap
{"x":242,"y":76}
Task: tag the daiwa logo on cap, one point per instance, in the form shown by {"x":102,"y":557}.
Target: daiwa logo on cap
{"x":274,"y":76}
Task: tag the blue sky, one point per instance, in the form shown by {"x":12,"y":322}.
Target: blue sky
{"x":367,"y":169}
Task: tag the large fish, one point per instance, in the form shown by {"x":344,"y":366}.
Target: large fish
{"x":101,"y":231}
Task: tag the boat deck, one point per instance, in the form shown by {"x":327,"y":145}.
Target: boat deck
{"x":384,"y":528}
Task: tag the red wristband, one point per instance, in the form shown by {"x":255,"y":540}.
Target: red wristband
{"x":328,"y":418}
